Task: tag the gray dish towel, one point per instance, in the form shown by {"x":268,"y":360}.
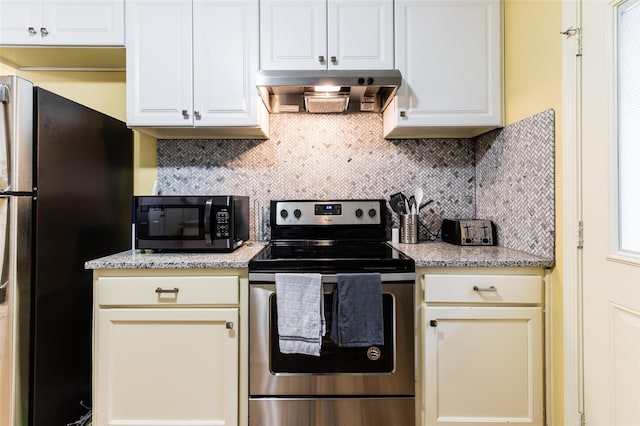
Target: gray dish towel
{"x":357,"y":310}
{"x":300,"y":305}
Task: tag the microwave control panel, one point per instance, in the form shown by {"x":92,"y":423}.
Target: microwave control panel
{"x":223,"y":225}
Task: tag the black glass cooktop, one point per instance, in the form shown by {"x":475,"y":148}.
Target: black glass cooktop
{"x":330,"y":257}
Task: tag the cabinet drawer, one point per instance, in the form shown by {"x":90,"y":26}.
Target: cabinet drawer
{"x":490,"y":289}
{"x":167,"y":291}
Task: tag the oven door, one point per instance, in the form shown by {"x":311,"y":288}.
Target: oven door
{"x":385,"y":370}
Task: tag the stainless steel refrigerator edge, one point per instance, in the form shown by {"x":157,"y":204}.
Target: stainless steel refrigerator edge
{"x":65,"y":198}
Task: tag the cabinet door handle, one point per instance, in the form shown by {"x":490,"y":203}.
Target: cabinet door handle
{"x":321,"y":59}
{"x":44,"y":32}
{"x":185,"y":114}
{"x":403,"y":114}
{"x":197,"y":115}
{"x":334,"y":60}
{"x":32,"y":31}
{"x":229,"y":325}
{"x":492,"y":288}
{"x":433,"y":323}
{"x":161,"y":290}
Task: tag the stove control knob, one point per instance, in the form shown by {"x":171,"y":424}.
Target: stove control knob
{"x":372,"y":212}
{"x":359,"y":213}
{"x":297,"y":213}
{"x":284,"y":214}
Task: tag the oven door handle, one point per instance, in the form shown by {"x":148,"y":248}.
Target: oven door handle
{"x":208,"y":206}
{"x":263,"y":277}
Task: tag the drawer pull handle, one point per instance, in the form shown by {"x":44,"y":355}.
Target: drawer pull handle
{"x":229,"y":325}
{"x":174,"y":290}
{"x":492,"y":288}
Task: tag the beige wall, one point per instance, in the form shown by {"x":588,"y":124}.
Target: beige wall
{"x":104,"y":92}
{"x":533,"y":83}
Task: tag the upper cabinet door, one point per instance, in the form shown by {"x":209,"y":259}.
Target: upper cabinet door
{"x":20,"y":22}
{"x":293,"y":34}
{"x":62,"y":23}
{"x":360,"y":34}
{"x":159,"y":61}
{"x":326,"y":34}
{"x":450,"y":55}
{"x":83,"y":22}
{"x":225,"y":58}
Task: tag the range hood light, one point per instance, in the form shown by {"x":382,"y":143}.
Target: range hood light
{"x":327,"y":88}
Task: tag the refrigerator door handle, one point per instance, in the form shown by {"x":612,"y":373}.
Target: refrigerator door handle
{"x":4,"y":247}
{"x":5,"y":149}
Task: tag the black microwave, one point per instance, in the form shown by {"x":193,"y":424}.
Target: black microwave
{"x":218,"y":223}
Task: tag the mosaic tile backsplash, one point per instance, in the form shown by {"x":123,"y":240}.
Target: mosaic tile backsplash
{"x":345,"y":156}
{"x":515,"y":183}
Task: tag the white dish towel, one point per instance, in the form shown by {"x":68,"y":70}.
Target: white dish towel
{"x":300,"y":305}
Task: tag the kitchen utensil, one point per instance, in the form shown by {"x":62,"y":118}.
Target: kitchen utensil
{"x":419,"y":194}
{"x":413,"y":209}
{"x":405,"y":201}
{"x":395,"y":202}
{"x":425,"y":204}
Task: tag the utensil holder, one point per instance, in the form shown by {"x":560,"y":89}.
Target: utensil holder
{"x":409,"y":228}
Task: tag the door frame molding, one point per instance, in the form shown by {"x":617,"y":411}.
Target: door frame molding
{"x":571,"y":217}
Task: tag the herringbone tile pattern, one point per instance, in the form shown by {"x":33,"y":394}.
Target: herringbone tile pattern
{"x":515,"y":177}
{"x":506,"y":175}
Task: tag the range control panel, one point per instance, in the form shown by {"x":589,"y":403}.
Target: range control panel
{"x":343,"y":212}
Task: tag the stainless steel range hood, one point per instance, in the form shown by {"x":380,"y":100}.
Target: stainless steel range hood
{"x":327,"y":91}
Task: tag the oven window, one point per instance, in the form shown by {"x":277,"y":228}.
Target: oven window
{"x":334,"y":359}
{"x":171,"y":222}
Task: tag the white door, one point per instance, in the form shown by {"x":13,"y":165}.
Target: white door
{"x":83,"y":22}
{"x":611,"y":253}
{"x":360,"y":34}
{"x":450,"y":56}
{"x":159,"y":61}
{"x":293,"y":34}
{"x":483,"y":366}
{"x":225,"y":59}
{"x":20,"y":22}
{"x":166,"y":366}
{"x":62,"y":22}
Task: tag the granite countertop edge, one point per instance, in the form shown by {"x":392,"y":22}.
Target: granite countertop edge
{"x":427,"y":254}
{"x":440,"y":254}
{"x":135,"y":259}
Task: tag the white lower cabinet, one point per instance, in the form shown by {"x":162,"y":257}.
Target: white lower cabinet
{"x":483,"y":352}
{"x":166,"y":351}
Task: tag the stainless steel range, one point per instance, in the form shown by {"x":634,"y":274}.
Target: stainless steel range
{"x":369,"y":383}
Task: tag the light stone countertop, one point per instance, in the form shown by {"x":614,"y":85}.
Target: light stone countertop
{"x":133,"y":259}
{"x":427,"y":254}
{"x":437,"y":254}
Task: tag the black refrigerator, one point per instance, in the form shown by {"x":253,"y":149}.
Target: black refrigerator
{"x":66,"y":182}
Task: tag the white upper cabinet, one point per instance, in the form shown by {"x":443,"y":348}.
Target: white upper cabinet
{"x":450,"y":55}
{"x":159,"y":63}
{"x":62,"y":23}
{"x":192,"y":64}
{"x":326,"y":34}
